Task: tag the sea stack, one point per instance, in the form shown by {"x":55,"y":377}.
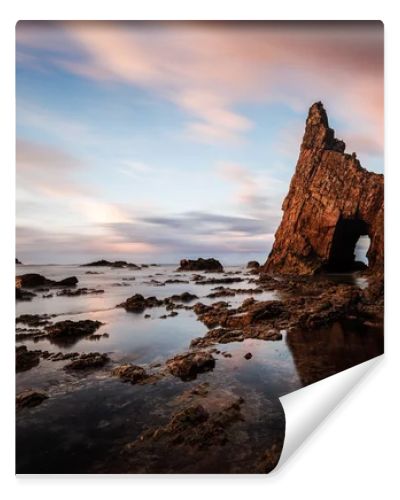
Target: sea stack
{"x":331,"y":202}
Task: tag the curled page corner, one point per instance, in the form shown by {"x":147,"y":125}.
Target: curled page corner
{"x":306,"y":408}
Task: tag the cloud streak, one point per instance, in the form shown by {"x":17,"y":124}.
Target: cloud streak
{"x":211,"y":69}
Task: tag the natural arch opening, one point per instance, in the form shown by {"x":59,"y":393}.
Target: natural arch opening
{"x":361,"y":250}
{"x":343,"y":256}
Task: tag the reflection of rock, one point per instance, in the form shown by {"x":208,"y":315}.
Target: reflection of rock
{"x":29,"y":398}
{"x":33,"y":280}
{"x":187,"y":366}
{"x":332,"y":201}
{"x":211,"y":265}
{"x":25,"y":360}
{"x":320,"y":353}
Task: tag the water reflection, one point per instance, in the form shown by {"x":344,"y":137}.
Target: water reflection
{"x":320,"y":353}
{"x":89,"y":418}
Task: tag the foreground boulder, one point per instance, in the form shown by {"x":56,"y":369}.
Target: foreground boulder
{"x":332,"y":201}
{"x":211,"y":265}
{"x":33,"y":280}
{"x":29,"y":398}
{"x":187,"y":366}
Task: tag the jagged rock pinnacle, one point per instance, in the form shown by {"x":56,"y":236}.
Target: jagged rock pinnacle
{"x":331,"y":202}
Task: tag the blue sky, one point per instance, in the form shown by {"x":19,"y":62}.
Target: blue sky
{"x":159,"y":141}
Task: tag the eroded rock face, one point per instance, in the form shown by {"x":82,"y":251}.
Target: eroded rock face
{"x":332,"y":201}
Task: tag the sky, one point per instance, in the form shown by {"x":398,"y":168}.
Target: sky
{"x":157,"y":141}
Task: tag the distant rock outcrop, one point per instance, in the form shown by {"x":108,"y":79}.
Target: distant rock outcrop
{"x":33,"y":280}
{"x":211,"y":265}
{"x":108,"y":263}
{"x":332,"y":201}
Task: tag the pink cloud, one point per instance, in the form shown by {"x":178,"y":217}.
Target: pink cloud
{"x":209,"y":69}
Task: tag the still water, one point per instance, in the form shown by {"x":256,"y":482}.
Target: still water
{"x":89,"y":418}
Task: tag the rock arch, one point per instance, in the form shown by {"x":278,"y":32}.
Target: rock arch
{"x":331,"y":202}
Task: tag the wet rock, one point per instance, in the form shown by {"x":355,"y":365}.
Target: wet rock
{"x":230,"y":292}
{"x":187,"y":366}
{"x":108,"y":263}
{"x":137,"y":303}
{"x":248,"y":355}
{"x":193,"y":428}
{"x":69,"y":328}
{"x":134,"y":374}
{"x":222,"y":292}
{"x":211,"y":265}
{"x":21,"y":294}
{"x":34,"y":319}
{"x":171,"y":281}
{"x":253,"y":264}
{"x":23,"y":334}
{"x":32,"y":280}
{"x":71,"y":281}
{"x":270,"y":458}
{"x":25,"y":359}
{"x":17,"y":261}
{"x":30,"y":398}
{"x":183,"y":297}
{"x":218,"y":336}
{"x":88,"y":360}
{"x":331,"y":202}
{"x":62,"y":356}
{"x":218,"y":281}
{"x":66,"y":292}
